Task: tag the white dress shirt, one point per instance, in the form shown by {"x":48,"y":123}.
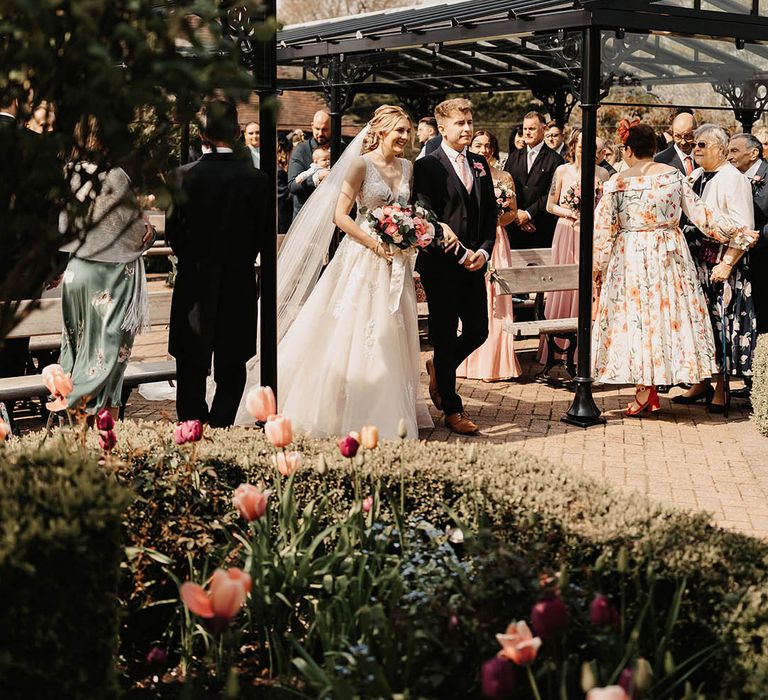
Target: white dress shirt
{"x":533,"y":153}
{"x":452,"y":156}
{"x":752,"y":171}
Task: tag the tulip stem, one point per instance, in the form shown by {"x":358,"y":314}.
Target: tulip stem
{"x":534,"y":686}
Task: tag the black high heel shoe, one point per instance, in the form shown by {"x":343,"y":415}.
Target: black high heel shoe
{"x":707,"y":395}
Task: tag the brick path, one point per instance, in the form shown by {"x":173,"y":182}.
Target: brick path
{"x":681,"y":455}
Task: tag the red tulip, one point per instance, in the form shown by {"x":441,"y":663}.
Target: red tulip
{"x":188,"y":431}
{"x":518,"y":644}
{"x":260,"y":403}
{"x":287,"y":462}
{"x":550,"y":617}
{"x":227,"y":593}
{"x":367,"y":504}
{"x":498,"y":678}
{"x":278,"y":430}
{"x":107,"y":439}
{"x":156,"y":656}
{"x":104,"y":420}
{"x":348,"y":446}
{"x":250,"y":502}
{"x":369,"y":436}
{"x":603,"y":613}
{"x":5,"y":430}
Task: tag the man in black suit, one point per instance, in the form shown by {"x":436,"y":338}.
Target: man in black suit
{"x":215,"y":232}
{"x":680,"y":153}
{"x":744,"y":153}
{"x":301,"y":160}
{"x":532,"y":168}
{"x":457,"y":186}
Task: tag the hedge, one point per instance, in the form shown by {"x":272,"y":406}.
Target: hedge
{"x":760,"y":385}
{"x":59,"y":557}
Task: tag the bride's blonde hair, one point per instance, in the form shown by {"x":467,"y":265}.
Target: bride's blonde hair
{"x":384,"y":120}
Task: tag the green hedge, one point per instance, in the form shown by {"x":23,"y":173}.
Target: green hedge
{"x":760,"y":385}
{"x":59,"y":557}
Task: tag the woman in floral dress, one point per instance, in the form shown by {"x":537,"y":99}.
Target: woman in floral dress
{"x":652,"y":324}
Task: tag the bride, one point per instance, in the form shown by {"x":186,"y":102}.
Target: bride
{"x":348,"y":352}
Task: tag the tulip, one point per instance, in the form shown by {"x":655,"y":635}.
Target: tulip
{"x":227,"y":593}
{"x":5,"y":430}
{"x":104,"y":420}
{"x":107,"y":439}
{"x":498,"y":678}
{"x":156,"y":656}
{"x":286,"y":462}
{"x":402,"y":429}
{"x":59,"y":384}
{"x":518,"y":644}
{"x":188,"y":431}
{"x":627,"y":681}
{"x":278,"y":430}
{"x":260,"y":403}
{"x":348,"y":446}
{"x":322,"y":465}
{"x":643,"y":674}
{"x":612,"y":692}
{"x":250,"y":502}
{"x":369,"y":437}
{"x":550,"y":617}
{"x":367,"y":504}
{"x":603,"y":613}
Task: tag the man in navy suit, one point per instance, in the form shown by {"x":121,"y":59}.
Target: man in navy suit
{"x":457,"y":186}
{"x":680,"y":153}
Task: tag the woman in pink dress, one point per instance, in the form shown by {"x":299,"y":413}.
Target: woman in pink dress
{"x":495,"y":360}
{"x":564,"y":200}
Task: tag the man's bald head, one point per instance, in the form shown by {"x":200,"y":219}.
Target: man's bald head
{"x":321,"y":127}
{"x":683,"y":126}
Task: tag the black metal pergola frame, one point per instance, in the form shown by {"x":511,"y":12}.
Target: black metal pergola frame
{"x":564,"y":51}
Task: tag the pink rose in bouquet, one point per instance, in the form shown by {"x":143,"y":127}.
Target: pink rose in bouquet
{"x":504,"y":195}
{"x":404,"y":226}
{"x":572,"y":198}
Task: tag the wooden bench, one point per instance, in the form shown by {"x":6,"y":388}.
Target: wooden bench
{"x":540,"y":279}
{"x":44,"y":320}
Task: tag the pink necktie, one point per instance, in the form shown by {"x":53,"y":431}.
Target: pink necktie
{"x":688,"y":165}
{"x":464,"y":176}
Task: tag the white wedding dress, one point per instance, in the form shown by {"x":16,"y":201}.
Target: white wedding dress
{"x":351,"y":356}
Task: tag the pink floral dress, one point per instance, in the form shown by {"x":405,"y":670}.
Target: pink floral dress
{"x":652,"y":324}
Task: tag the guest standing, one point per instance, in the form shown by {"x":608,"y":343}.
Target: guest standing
{"x":554,"y":137}
{"x":532,"y":169}
{"x":601,"y":157}
{"x":724,"y":274}
{"x":284,"y":197}
{"x":495,"y":359}
{"x":252,"y":135}
{"x":679,"y":155}
{"x":215,"y":230}
{"x":301,"y":160}
{"x":426,"y":130}
{"x":652,"y":325}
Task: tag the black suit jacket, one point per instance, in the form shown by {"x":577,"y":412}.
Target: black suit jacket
{"x":471,"y":215}
{"x":532,"y":191}
{"x":670,"y":157}
{"x":760,"y":203}
{"x":215,"y":230}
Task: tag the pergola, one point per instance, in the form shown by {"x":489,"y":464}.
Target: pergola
{"x":566,"y":52}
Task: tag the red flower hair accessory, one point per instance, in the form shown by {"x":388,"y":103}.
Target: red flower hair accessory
{"x":623,"y":129}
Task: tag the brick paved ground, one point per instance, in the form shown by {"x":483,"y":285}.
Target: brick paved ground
{"x":681,"y":455}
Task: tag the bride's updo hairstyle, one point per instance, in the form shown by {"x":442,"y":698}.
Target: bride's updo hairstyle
{"x":384,"y":120}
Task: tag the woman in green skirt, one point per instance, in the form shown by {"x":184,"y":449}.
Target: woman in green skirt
{"x":104,"y":293}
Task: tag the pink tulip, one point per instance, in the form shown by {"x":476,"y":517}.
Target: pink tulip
{"x":348,"y":446}
{"x":278,"y":430}
{"x":369,"y":436}
{"x":612,"y":692}
{"x":498,"y":678}
{"x":260,"y":403}
{"x":550,"y":617}
{"x":156,"y":656}
{"x":518,"y":644}
{"x":107,"y":439}
{"x":227,"y":593}
{"x":188,"y":431}
{"x":47,"y":376}
{"x":5,"y":430}
{"x":603,"y":613}
{"x":104,"y":420}
{"x":59,"y":384}
{"x":367,"y":504}
{"x":250,"y":502}
{"x":286,"y":462}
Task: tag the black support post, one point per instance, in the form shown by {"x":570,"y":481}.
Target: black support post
{"x":337,"y":111}
{"x":583,"y":411}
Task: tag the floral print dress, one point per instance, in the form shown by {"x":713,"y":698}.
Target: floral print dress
{"x":652,"y":324}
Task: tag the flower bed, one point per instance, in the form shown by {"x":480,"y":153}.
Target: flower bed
{"x":358,"y":588}
{"x":760,"y":385}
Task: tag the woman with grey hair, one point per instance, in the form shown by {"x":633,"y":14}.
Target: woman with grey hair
{"x":723,"y":273}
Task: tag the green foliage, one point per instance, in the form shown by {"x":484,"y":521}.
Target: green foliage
{"x":137,"y":69}
{"x":760,"y":385}
{"x":59,"y":557}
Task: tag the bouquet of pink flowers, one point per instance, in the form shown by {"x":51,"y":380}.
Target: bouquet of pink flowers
{"x":404,"y":226}
{"x":504,"y":196}
{"x":572,"y":198}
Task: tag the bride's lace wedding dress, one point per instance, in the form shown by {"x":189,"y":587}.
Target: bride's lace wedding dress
{"x":351,"y":357}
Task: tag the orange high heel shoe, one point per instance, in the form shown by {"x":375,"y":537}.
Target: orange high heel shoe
{"x":651,"y":403}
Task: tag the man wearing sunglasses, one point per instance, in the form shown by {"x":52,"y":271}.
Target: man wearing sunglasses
{"x":680,"y":154}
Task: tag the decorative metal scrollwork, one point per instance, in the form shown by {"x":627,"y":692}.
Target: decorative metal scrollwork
{"x":565,"y":50}
{"x":615,"y":49}
{"x":250,"y":28}
{"x":748,"y":98}
{"x":558,"y":99}
{"x":338,"y":77}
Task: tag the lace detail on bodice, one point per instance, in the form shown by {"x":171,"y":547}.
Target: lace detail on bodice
{"x":376,"y":193}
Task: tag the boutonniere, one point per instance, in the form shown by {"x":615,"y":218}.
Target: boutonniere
{"x":479,"y":169}
{"x":757,"y":182}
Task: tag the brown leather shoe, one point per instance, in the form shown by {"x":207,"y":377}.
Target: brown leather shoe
{"x":434,"y":393}
{"x":460,"y":423}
